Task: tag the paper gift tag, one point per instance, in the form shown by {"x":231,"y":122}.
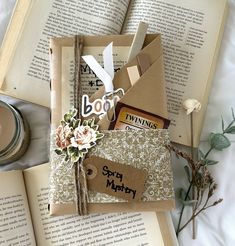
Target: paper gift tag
{"x":115,"y":179}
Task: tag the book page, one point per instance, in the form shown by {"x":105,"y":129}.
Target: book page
{"x":18,"y":14}
{"x":190,"y":35}
{"x":137,"y":229}
{"x":15,"y":221}
{"x":29,"y":69}
{"x":90,"y":83}
{"x":6,"y":9}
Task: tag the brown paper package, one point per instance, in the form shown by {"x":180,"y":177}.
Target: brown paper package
{"x":148,"y":94}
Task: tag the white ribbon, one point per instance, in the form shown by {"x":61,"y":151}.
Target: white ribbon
{"x":105,"y":74}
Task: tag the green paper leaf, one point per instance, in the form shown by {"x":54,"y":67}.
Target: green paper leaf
{"x":90,"y":123}
{"x":77,"y":123}
{"x":73,"y":112}
{"x":63,"y":123}
{"x":71,"y":122}
{"x":71,"y":150}
{"x":85,"y":123}
{"x":92,"y":144}
{"x":218,"y":141}
{"x":99,"y":135}
{"x":95,"y":127}
{"x":58,"y":151}
{"x":230,"y":130}
{"x":67,"y":118}
{"x":84,"y":151}
{"x":75,"y":158}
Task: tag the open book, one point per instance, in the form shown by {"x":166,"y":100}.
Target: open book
{"x":24,"y":218}
{"x":191,"y":32}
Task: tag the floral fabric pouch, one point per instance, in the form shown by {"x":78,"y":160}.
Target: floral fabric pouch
{"x":142,"y":149}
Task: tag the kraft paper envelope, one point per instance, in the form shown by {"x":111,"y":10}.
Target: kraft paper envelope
{"x":153,"y":50}
{"x":147,"y":94}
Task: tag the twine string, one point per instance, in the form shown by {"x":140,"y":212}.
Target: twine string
{"x":80,"y":174}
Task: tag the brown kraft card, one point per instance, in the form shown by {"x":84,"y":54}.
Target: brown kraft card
{"x":115,"y":179}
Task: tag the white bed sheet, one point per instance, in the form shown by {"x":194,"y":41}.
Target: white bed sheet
{"x":216,"y":227}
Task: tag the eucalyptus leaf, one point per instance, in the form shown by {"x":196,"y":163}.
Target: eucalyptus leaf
{"x":222,"y":123}
{"x":233,"y":114}
{"x":189,"y":202}
{"x":209,"y":162}
{"x":230,"y":130}
{"x":218,"y":141}
{"x":201,"y":154}
{"x":187,"y":170}
{"x":180,"y":193}
{"x":211,"y":137}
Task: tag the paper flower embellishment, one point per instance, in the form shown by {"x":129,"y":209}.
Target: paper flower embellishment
{"x":74,"y":138}
{"x":191,"y":105}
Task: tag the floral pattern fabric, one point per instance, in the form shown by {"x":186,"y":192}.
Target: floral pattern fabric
{"x":143,"y":149}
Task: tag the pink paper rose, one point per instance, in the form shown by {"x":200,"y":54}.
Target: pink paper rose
{"x":63,"y":135}
{"x":83,"y":137}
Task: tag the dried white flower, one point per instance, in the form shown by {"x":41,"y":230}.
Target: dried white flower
{"x":192,"y":105}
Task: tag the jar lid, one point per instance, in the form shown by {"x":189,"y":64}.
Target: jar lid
{"x":8,"y":126}
{"x":14,"y":134}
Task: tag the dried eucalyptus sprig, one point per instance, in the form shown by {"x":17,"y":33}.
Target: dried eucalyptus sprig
{"x":199,"y":176}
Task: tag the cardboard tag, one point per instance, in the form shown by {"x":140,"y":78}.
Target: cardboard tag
{"x":119,"y":180}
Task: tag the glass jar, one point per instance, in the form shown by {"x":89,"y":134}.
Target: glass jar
{"x":14,"y":134}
